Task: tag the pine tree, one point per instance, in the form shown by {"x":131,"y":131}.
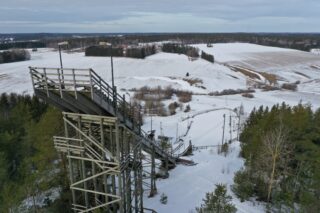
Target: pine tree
{"x":217,"y":202}
{"x":163,"y":198}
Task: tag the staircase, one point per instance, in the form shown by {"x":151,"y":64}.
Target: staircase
{"x":83,"y":91}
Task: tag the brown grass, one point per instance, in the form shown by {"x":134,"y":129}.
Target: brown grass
{"x":193,"y":81}
{"x":269,"y":88}
{"x":272,"y":78}
{"x":172,"y":107}
{"x":155,"y":108}
{"x":231,"y":92}
{"x":159,"y":94}
{"x":249,"y":74}
{"x":245,"y":72}
{"x":153,"y":94}
{"x":153,"y":97}
{"x":184,"y":96}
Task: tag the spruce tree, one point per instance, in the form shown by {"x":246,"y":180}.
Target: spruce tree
{"x":217,"y":202}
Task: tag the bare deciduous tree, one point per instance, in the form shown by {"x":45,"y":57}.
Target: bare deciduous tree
{"x":274,"y":157}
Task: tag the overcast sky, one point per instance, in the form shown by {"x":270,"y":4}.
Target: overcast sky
{"x":107,"y":16}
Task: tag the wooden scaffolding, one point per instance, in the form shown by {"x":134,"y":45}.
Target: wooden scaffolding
{"x":103,"y":141}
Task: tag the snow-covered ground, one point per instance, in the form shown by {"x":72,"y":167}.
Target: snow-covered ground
{"x":187,"y":185}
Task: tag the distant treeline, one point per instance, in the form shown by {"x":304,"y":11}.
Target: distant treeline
{"x":298,"y":41}
{"x":132,"y":52}
{"x":14,"y":55}
{"x":22,"y":45}
{"x":103,"y":51}
{"x":180,"y":49}
{"x":207,"y":56}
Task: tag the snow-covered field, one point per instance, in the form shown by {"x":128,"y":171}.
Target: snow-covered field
{"x":187,"y":185}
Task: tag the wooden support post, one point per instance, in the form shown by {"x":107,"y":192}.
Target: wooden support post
{"x":139,"y":120}
{"x":230,"y":127}
{"x":115,"y":100}
{"x":105,"y":180}
{"x":74,"y":84}
{"x":223,"y":128}
{"x":124,"y":113}
{"x":101,"y":95}
{"x":93,"y":170}
{"x":83,"y":171}
{"x":70,"y":162}
{"x":136,"y":184}
{"x":140,"y":179}
{"x":153,"y":190}
{"x":60,"y":83}
{"x":46,"y":81}
{"x":239,"y":120}
{"x":32,"y":80}
{"x":91,"y":83}
{"x":127,"y":173}
{"x":119,"y":160}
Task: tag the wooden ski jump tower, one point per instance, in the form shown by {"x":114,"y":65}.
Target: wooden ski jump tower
{"x":103,"y":141}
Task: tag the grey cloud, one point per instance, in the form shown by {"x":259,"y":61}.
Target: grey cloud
{"x":159,"y":15}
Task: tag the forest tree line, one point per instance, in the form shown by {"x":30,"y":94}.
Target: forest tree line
{"x":180,"y":49}
{"x":29,"y":164}
{"x":131,"y":52}
{"x":281,"y":148}
{"x":207,"y":56}
{"x":300,"y":41}
{"x":14,"y":55}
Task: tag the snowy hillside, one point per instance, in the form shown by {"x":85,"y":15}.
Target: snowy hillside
{"x":187,"y":185}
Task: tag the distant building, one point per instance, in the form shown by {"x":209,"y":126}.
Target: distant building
{"x":315,"y":51}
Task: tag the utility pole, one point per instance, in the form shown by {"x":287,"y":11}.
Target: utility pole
{"x":112,"y":67}
{"x":238,"y":132}
{"x":60,"y":57}
{"x":111,"y":58}
{"x":151,"y":122}
{"x":65,"y":43}
{"x":224,"y":124}
{"x":177,"y":134}
{"x":230,"y":125}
